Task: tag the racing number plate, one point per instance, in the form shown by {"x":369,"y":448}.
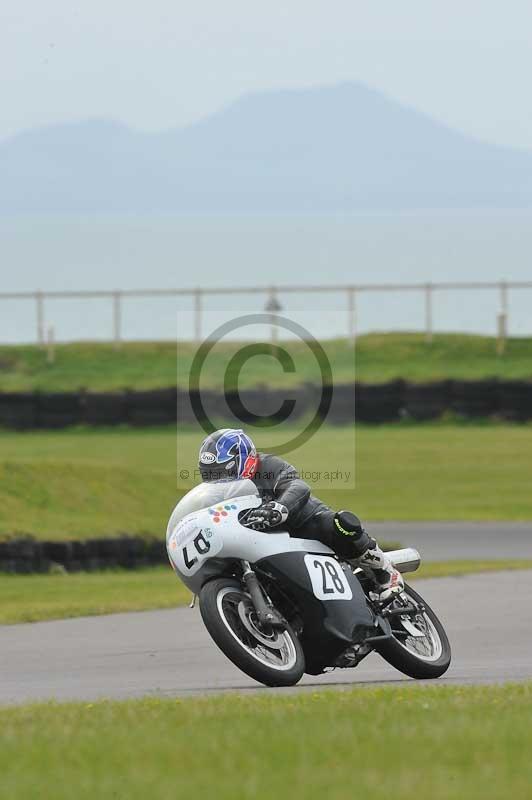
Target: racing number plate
{"x":191,"y":546}
{"x":329,"y":581}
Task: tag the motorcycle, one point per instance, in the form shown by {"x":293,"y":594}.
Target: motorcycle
{"x":279,"y":606}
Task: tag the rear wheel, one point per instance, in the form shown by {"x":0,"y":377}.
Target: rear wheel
{"x":419,"y":647}
{"x":272,"y":657}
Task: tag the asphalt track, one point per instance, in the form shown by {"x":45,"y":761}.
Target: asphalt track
{"x":447,"y":541}
{"x":169,"y":653}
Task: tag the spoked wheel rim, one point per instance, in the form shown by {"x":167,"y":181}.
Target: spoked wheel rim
{"x":274,"y":649}
{"x":408,"y":627}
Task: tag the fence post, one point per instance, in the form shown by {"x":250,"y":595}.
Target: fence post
{"x":273,"y":306}
{"x":39,"y":307}
{"x":50,"y":346}
{"x":428,"y":313}
{"x":117,"y":318}
{"x":351,"y":315}
{"x":197,"y":315}
{"x":502,"y":318}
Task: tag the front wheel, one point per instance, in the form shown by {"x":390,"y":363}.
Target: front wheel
{"x":272,"y":657}
{"x":419,"y":647}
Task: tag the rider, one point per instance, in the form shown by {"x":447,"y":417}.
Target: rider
{"x":229,"y":454}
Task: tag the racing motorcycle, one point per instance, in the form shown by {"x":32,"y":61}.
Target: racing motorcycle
{"x":279,"y":606}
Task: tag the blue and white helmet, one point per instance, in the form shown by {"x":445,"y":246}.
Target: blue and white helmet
{"x":227,"y":454}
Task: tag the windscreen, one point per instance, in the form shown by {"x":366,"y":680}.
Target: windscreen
{"x":209,"y":494}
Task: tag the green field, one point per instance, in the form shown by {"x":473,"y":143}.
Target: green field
{"x":378,"y":358}
{"x":81,"y":483}
{"x":32,"y":598}
{"x":438,"y":742}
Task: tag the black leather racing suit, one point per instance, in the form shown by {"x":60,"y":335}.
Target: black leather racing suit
{"x":308,"y":517}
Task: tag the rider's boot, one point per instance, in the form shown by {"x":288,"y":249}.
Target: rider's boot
{"x":388,"y":580}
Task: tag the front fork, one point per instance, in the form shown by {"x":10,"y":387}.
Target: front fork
{"x":267,"y":615}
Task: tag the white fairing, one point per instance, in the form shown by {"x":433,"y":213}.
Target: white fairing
{"x":196,"y":535}
{"x":204,"y":529}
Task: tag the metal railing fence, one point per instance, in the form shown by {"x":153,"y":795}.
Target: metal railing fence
{"x":272,"y":294}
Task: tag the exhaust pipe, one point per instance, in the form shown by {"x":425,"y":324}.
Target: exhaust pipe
{"x":407,"y":559}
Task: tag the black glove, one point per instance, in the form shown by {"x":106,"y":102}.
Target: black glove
{"x":270,"y":515}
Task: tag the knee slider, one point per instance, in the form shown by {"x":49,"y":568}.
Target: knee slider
{"x":350,"y":528}
{"x":348,"y":524}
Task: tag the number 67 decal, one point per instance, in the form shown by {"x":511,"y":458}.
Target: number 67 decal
{"x":190,"y":555}
{"x":329,"y":581}
{"x":201,"y":546}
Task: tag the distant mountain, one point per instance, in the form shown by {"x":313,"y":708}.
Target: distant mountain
{"x":340,"y":148}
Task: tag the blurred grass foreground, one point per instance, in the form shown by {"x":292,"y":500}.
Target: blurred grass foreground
{"x":438,"y":742}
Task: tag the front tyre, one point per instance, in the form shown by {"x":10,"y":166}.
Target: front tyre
{"x":419,"y":647}
{"x":274,"y":658}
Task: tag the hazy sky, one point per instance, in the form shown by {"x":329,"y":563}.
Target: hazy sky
{"x":164,"y":63}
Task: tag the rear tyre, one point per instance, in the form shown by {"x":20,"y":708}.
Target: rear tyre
{"x":420,"y":656}
{"x":274,"y":658}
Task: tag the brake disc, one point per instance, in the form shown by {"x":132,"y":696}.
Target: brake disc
{"x":245,"y":612}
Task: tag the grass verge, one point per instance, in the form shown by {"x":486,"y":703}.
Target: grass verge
{"x":442,"y":742}
{"x":32,"y":598}
{"x":146,"y":365}
{"x":80,"y":483}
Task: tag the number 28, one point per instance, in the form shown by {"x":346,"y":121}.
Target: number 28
{"x":329,"y":570}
